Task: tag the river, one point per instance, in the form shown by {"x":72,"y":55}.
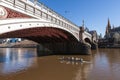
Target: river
{"x":23,"y":64}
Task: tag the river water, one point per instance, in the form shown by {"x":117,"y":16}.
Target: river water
{"x":23,"y":64}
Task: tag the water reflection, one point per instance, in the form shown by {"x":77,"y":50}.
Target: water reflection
{"x":15,"y":60}
{"x":83,"y":68}
{"x":83,"y":71}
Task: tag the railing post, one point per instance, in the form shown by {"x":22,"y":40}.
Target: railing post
{"x":55,"y":20}
{"x":41,"y":14}
{"x":51,"y":18}
{"x":46,"y":16}
{"x":14,"y":3}
{"x":33,"y":10}
{"x":25,"y":7}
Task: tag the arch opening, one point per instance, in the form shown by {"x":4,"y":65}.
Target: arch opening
{"x":87,"y":40}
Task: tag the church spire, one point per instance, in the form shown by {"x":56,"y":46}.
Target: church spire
{"x":109,"y":25}
{"x":108,"y":28}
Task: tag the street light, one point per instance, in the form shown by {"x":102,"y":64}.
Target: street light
{"x":35,"y":2}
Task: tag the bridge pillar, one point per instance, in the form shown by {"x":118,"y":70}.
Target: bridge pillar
{"x":85,"y":48}
{"x":65,"y":48}
{"x":94,"y":46}
{"x":81,"y":34}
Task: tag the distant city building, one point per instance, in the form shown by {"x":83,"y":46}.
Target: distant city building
{"x":10,"y":40}
{"x":112,"y":34}
{"x":100,"y":36}
{"x":1,"y":41}
{"x":94,"y":35}
{"x":111,"y":38}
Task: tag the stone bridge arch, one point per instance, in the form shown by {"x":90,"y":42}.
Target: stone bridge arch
{"x":24,"y":15}
{"x":87,"y":40}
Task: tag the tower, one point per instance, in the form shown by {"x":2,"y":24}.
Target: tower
{"x":81,"y":31}
{"x":108,"y":28}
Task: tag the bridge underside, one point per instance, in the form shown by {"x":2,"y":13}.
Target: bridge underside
{"x":41,"y":35}
{"x":53,"y":40}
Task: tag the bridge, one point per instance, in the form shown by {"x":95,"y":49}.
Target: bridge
{"x":34,"y":21}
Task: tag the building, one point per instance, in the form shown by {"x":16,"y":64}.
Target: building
{"x":10,"y":40}
{"x":112,"y":34}
{"x":111,"y":38}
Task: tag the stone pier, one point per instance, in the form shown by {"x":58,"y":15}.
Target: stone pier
{"x":70,"y":48}
{"x":94,"y":46}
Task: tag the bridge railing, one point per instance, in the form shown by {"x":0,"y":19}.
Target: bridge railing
{"x":41,"y":11}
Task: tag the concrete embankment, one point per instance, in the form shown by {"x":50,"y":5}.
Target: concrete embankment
{"x":109,"y":46}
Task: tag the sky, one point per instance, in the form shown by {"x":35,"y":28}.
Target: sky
{"x":95,"y":13}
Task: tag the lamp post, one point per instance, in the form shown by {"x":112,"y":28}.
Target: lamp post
{"x":35,"y":2}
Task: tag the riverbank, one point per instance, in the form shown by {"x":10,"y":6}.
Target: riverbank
{"x":109,"y":46}
{"x":22,"y":44}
